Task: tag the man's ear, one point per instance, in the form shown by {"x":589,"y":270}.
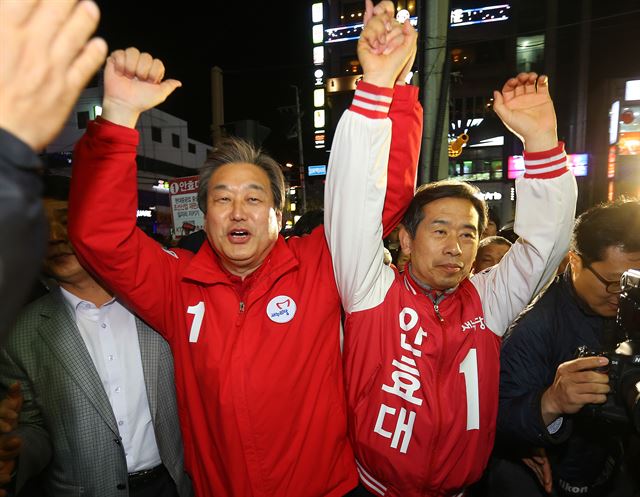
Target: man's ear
{"x":575,"y":261}
{"x":406,"y":241}
{"x":279,"y":218}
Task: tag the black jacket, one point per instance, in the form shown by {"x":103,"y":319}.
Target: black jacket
{"x":585,"y":450}
{"x":22,"y":223}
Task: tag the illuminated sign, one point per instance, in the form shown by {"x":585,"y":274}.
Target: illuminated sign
{"x":629,"y":131}
{"x":351,"y":32}
{"x":629,"y":143}
{"x":162,"y":186}
{"x":316,"y":12}
{"x":489,"y":195}
{"x":318,"y":55}
{"x":316,"y":33}
{"x":613,"y":122}
{"x":611,"y":162}
{"x":578,"y":163}
{"x":144,"y":213}
{"x":460,"y":126}
{"x":610,"y":192}
{"x":345,"y":83}
{"x":318,"y":119}
{"x":318,"y":97}
{"x":481,"y":15}
{"x":496,"y":141}
{"x":632,"y":90}
{"x":458,"y":17}
{"x":317,"y":170}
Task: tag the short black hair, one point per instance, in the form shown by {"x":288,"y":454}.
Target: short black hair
{"x":493,"y":240}
{"x":443,"y":189}
{"x":309,"y":221}
{"x":236,"y":150}
{"x":610,"y":224}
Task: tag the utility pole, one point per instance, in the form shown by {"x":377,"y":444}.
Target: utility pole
{"x":217,"y":105}
{"x":433,"y":25}
{"x":300,"y":150}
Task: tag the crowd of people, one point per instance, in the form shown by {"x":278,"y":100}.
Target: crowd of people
{"x":244,"y":364}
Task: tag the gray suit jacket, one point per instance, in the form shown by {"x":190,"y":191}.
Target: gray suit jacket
{"x":68,"y":427}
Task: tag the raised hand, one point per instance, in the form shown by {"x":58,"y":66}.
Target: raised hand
{"x":525,"y":107}
{"x":385,"y":46}
{"x":45,"y":62}
{"x":575,"y":385}
{"x":133,"y":83}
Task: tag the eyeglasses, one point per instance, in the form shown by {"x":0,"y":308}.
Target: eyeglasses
{"x":612,"y":287}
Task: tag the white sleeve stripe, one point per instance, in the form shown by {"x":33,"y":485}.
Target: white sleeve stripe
{"x":542,"y":170}
{"x":364,"y":105}
{"x":538,"y":162}
{"x":373,"y":96}
{"x":369,"y":480}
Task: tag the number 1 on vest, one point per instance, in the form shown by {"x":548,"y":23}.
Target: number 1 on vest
{"x":469,"y":368}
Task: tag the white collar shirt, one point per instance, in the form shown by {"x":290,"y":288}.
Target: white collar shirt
{"x":110,"y":334}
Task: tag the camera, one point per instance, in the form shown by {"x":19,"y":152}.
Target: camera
{"x":623,"y":402}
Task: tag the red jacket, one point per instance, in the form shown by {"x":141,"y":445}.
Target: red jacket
{"x":259,"y":379}
{"x":422,"y":374}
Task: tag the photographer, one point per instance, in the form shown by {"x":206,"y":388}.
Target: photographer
{"x":543,"y":387}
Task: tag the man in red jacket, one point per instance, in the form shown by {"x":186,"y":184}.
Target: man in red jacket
{"x":421,"y":349}
{"x":253,"y":321}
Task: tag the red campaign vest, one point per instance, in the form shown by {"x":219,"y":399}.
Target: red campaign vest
{"x":422,"y":392}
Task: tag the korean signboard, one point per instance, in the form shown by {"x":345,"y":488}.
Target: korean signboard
{"x":187,"y":216}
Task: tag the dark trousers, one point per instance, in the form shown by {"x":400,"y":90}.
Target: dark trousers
{"x":360,"y":491}
{"x":161,"y":485}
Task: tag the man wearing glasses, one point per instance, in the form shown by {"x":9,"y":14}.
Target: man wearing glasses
{"x":543,"y":387}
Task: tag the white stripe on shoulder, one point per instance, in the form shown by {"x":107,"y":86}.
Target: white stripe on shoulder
{"x":171,"y":252}
{"x":409,"y":286}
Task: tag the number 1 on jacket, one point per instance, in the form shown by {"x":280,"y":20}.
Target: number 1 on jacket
{"x":198,"y":314}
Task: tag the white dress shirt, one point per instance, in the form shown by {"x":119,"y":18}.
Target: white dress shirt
{"x":111,"y":337}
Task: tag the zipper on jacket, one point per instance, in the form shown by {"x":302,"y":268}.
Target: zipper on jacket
{"x":437,"y":309}
{"x":438,"y":434}
{"x":241,"y":307}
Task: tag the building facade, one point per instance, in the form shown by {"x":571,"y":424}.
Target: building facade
{"x":583,"y":46}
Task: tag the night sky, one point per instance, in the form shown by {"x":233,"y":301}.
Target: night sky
{"x":262,"y":47}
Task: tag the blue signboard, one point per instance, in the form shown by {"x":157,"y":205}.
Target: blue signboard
{"x":317,"y":170}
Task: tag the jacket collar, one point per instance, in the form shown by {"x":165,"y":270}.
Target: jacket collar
{"x":62,"y":336}
{"x":416,"y":286}
{"x":205,"y":267}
